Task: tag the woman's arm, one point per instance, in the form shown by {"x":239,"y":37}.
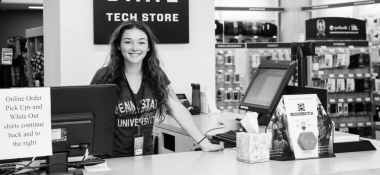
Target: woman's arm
{"x":184,"y":118}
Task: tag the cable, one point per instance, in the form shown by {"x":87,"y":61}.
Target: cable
{"x":213,"y":129}
{"x":21,"y":168}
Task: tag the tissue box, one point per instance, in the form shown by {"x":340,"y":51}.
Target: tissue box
{"x":253,"y":148}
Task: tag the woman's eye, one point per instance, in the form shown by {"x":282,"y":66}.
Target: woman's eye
{"x":142,"y":43}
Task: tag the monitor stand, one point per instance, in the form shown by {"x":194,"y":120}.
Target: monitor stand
{"x":62,"y":167}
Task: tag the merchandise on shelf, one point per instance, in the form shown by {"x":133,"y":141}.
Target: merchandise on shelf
{"x":344,"y":69}
{"x":229,"y":79}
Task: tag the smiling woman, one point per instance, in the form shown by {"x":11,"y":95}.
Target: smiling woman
{"x":144,"y":92}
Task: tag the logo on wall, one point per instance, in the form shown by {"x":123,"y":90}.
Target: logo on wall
{"x":335,"y":29}
{"x":168,"y":19}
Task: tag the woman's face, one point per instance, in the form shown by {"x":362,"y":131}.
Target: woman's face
{"x":134,"y":46}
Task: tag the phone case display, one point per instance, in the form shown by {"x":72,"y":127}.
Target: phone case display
{"x":343,"y":68}
{"x":257,"y":52}
{"x":229,"y":83}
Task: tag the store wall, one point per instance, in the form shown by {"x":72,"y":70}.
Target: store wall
{"x":15,"y":22}
{"x":70,"y":30}
{"x":292,"y":24}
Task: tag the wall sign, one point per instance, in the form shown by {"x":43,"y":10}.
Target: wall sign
{"x":6,"y":56}
{"x":168,"y":19}
{"x":332,"y":28}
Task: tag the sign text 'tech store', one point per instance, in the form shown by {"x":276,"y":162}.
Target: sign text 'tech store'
{"x":168,"y":19}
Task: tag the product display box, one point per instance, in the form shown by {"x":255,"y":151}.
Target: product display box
{"x":301,"y":129}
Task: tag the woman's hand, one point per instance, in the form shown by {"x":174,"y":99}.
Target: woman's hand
{"x":206,"y":145}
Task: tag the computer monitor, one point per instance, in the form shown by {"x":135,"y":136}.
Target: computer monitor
{"x":266,"y":88}
{"x":81,"y":116}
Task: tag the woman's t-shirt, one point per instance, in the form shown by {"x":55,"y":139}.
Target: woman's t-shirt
{"x":126,"y":121}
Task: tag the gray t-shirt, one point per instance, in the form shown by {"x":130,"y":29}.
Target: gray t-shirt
{"x":126,"y":121}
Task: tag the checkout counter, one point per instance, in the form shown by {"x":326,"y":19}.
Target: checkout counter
{"x":224,"y":162}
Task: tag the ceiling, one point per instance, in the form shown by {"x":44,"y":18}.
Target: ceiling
{"x":18,"y":6}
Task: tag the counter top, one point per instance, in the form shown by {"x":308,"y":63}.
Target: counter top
{"x":224,"y":162}
{"x":205,"y":122}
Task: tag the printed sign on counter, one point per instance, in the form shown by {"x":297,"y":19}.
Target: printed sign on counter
{"x":25,"y":128}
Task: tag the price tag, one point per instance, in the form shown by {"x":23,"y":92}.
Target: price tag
{"x":332,"y":100}
{"x":375,"y":74}
{"x":255,"y":37}
{"x":360,"y":124}
{"x":358,"y":99}
{"x":341,"y":50}
{"x":350,"y":125}
{"x":271,"y":51}
{"x":351,"y":47}
{"x":373,"y":47}
{"x":369,"y":123}
{"x":331,"y":50}
{"x":341,"y":75}
{"x":377,"y":123}
{"x":341,"y":100}
{"x":261,"y":51}
{"x":362,"y":50}
{"x":377,"y":98}
{"x":359,"y":75}
{"x":321,"y":72}
{"x":274,"y":37}
{"x":331,"y":75}
{"x":367,"y":75}
{"x":351,"y":75}
{"x":236,"y":37}
{"x":349,"y":100}
{"x":367,"y":99}
{"x":370,"y":44}
{"x":342,"y":125}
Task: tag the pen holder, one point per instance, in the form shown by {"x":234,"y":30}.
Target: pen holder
{"x":253,"y":148}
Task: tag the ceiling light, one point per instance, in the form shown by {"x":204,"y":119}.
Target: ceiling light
{"x":36,"y":7}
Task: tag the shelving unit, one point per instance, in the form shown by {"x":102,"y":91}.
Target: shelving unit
{"x":230,"y":76}
{"x":343,"y":102}
{"x":266,"y":51}
{"x":35,"y":42}
{"x":241,"y":38}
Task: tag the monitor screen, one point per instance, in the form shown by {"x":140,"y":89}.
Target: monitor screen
{"x":265,"y":86}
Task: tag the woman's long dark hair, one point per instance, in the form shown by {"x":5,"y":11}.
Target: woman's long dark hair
{"x":112,"y":71}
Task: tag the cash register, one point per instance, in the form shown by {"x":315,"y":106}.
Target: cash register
{"x":264,"y":92}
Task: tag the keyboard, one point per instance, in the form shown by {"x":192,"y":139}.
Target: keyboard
{"x":88,"y":162}
{"x":229,"y":138}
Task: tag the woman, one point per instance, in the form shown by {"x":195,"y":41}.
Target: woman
{"x":135,"y":68}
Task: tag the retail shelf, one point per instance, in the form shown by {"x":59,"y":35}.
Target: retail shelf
{"x":34,"y":32}
{"x":269,"y":9}
{"x":355,"y":124}
{"x":350,"y":100}
{"x":340,"y":76}
{"x":346,"y":4}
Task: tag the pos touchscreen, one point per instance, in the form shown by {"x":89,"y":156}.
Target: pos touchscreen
{"x":266,"y":88}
